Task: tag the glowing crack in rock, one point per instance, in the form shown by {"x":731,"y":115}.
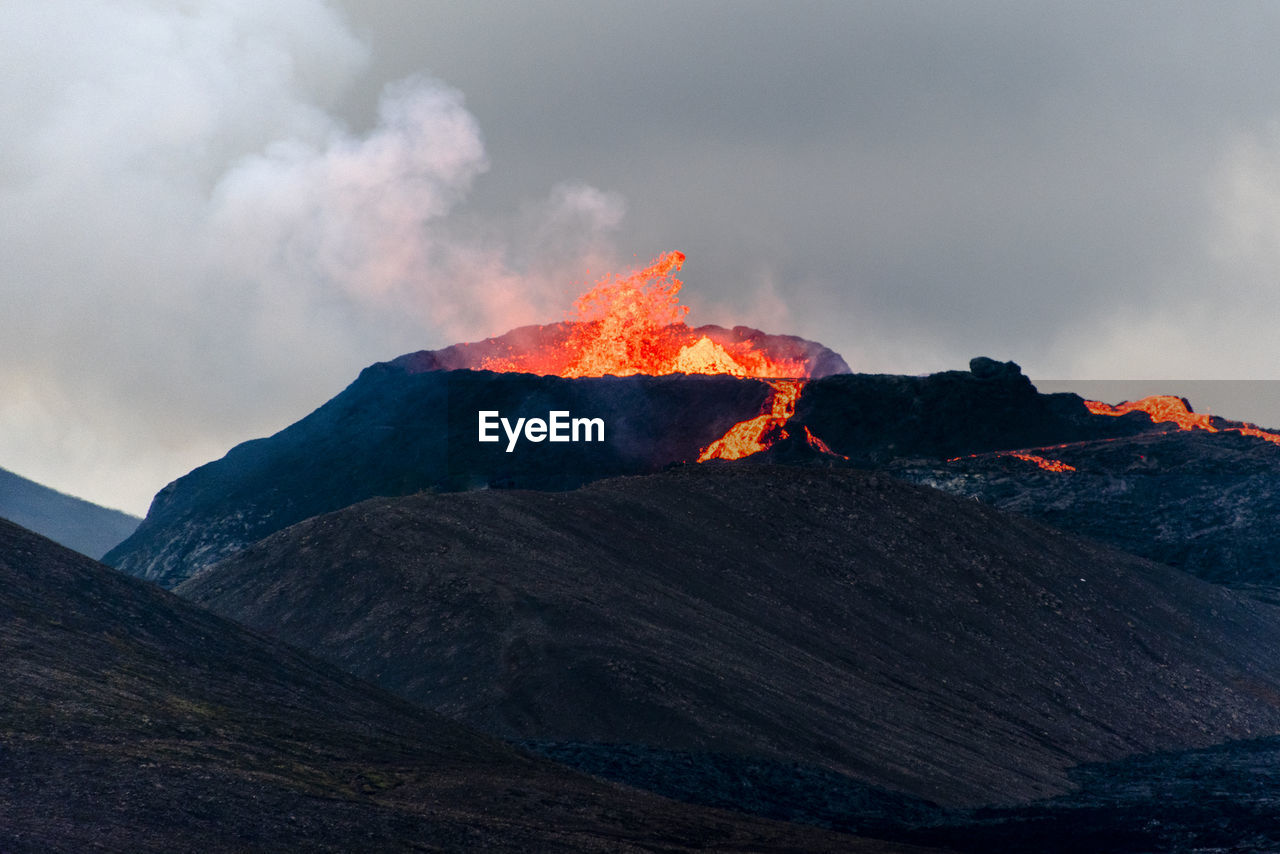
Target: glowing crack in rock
{"x":1043,"y":462}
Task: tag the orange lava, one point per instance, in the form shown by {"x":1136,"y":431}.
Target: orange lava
{"x":754,"y":435}
{"x":819,"y":445}
{"x":1163,"y":408}
{"x":1044,"y":462}
{"x":634,"y":324}
{"x":1168,"y":409}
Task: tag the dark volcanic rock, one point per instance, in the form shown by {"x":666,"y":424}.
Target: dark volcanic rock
{"x":396,"y":432}
{"x":876,"y":418}
{"x":1207,"y":503}
{"x":132,"y":721}
{"x":1219,"y":799}
{"x":401,"y":428}
{"x":73,"y":522}
{"x":902,"y":637}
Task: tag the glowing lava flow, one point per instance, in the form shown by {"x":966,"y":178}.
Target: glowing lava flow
{"x":1043,"y":462}
{"x":1167,"y":409}
{"x":754,"y":435}
{"x":634,"y":324}
{"x":757,"y":434}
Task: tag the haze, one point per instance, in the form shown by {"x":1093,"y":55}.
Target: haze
{"x":214,"y":213}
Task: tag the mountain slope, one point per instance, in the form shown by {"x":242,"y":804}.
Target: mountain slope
{"x":130,"y":720}
{"x":897,"y":635}
{"x":73,"y":522}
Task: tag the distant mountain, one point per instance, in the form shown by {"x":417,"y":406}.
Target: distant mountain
{"x":73,"y":522}
{"x":906,"y":639}
{"x":132,"y":721}
{"x":404,"y":427}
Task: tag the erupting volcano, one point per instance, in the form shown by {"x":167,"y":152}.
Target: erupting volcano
{"x":634,"y":325}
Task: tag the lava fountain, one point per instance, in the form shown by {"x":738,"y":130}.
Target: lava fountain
{"x":635,"y":325}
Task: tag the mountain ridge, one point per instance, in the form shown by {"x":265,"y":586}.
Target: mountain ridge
{"x":903,"y":637}
{"x":131,"y":720}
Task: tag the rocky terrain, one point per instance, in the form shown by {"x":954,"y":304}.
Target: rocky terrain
{"x":1218,"y":799}
{"x":132,"y":721}
{"x":897,"y":636}
{"x":73,"y":522}
{"x":1203,"y":502}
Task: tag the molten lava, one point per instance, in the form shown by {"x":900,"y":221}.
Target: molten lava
{"x":1167,"y":409}
{"x":754,"y":435}
{"x":819,"y":445}
{"x":765,"y":430}
{"x":1045,"y":463}
{"x":635,"y":324}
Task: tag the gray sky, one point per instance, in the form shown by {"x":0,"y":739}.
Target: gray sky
{"x":214,"y":213}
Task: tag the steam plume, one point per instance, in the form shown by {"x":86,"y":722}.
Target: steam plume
{"x":213,"y":250}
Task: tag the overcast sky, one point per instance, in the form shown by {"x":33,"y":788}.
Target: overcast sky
{"x":214,"y":213}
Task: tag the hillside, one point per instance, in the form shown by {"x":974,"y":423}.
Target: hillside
{"x":132,"y":721}
{"x":1204,"y":502}
{"x":73,"y":522}
{"x":904,"y":638}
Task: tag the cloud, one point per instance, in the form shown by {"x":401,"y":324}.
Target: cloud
{"x":922,"y":182}
{"x":198,"y":247}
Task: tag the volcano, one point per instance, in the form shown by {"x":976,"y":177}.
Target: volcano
{"x":661,"y":393}
{"x":642,"y":548}
{"x":398,"y":430}
{"x":656,"y":391}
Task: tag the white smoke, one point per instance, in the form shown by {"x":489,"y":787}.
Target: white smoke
{"x":195,"y":249}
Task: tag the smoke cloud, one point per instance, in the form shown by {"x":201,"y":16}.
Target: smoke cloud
{"x":197,"y":249}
